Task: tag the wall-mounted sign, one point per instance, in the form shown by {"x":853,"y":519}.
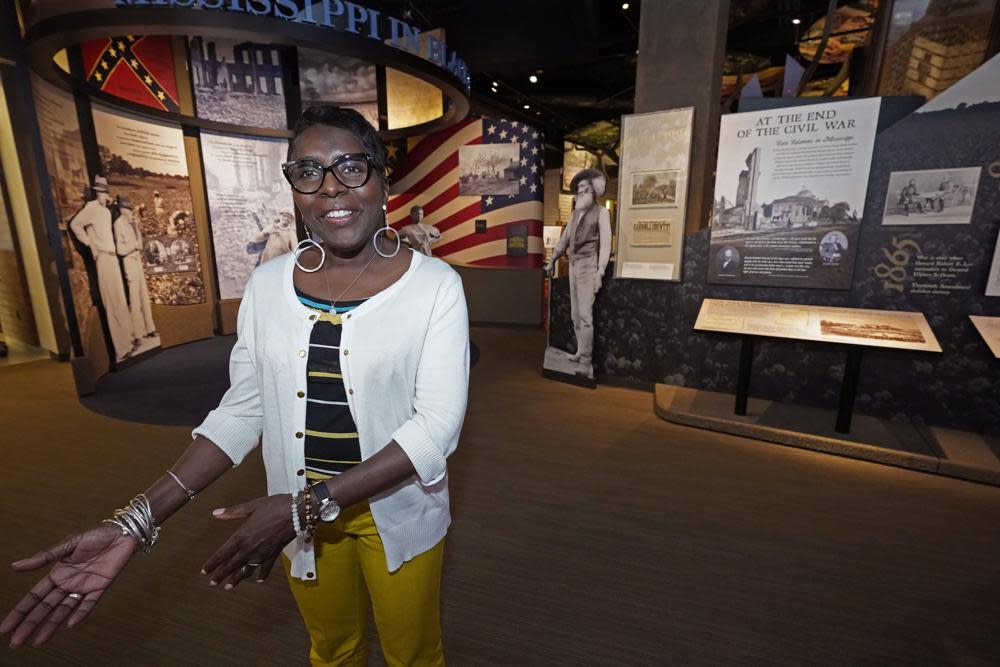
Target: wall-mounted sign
{"x":337,"y":15}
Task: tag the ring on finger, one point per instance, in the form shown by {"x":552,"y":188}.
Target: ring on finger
{"x":75,"y":596}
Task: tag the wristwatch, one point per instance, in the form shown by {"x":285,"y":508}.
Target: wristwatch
{"x":329,"y":510}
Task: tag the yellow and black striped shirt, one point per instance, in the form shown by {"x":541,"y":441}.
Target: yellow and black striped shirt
{"x":331,"y":442}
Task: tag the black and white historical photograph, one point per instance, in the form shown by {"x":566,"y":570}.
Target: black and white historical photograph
{"x":238,"y":82}
{"x":489,"y":169}
{"x":654,"y":188}
{"x":145,"y":162}
{"x":586,"y":242}
{"x":249,"y":204}
{"x":931,"y":197}
{"x":786,"y":179}
{"x":325,"y":78}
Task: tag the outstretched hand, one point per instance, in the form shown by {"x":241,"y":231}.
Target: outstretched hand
{"x":84,"y":566}
{"x":253,"y":548}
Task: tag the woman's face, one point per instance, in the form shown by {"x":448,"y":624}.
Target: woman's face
{"x":344,"y":219}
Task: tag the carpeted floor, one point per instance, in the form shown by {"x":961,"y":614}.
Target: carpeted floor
{"x":586,"y":532}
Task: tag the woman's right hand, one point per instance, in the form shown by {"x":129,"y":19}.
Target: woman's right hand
{"x":83,"y":566}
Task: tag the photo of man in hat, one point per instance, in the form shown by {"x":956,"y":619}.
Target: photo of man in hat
{"x":92,"y":225}
{"x":587,"y":242}
{"x":128,"y":240}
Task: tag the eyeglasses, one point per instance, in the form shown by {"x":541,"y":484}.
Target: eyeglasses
{"x":352,"y":170}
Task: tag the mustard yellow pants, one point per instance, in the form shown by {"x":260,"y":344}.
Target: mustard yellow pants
{"x":406,"y":603}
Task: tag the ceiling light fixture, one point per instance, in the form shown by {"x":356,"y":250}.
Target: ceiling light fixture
{"x":533,"y":79}
{"x":495,"y":84}
{"x":527,"y":106}
{"x":493,"y":88}
{"x":796,"y":21}
{"x":624,"y":5}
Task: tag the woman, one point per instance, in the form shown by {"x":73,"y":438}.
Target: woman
{"x":352,"y":362}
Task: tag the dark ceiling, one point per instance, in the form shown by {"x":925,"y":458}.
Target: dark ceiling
{"x":583,"y":51}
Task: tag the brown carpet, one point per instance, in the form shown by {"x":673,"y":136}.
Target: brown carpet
{"x":587,"y":532}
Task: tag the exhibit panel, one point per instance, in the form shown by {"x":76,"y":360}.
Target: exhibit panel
{"x":238,"y":82}
{"x":133,"y":67}
{"x":250,"y":204}
{"x":849,"y":326}
{"x":789,"y":190}
{"x":62,"y":144}
{"x":644,"y":331}
{"x":479,"y":186}
{"x":652,"y":194}
{"x":341,"y":81}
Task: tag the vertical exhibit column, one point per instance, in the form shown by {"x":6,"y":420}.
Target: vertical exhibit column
{"x":681,"y":52}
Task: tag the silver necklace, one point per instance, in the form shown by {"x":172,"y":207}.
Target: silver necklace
{"x":329,"y":289}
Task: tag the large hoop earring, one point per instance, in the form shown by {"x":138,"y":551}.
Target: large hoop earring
{"x":304,"y":245}
{"x":375,"y":240}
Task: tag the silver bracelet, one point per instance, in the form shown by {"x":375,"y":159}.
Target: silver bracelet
{"x":136,"y":521}
{"x":191,"y":494}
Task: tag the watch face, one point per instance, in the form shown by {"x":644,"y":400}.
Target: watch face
{"x":329,"y":512}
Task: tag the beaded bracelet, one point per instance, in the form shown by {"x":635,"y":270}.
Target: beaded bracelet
{"x":310,"y":517}
{"x":295,"y":516}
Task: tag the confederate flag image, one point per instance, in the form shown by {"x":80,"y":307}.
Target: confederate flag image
{"x":135,"y":68}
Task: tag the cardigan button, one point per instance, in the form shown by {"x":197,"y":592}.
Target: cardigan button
{"x":351,"y":392}
{"x":312,"y":317}
{"x":309,"y":575}
{"x":300,"y":472}
{"x":300,"y":394}
{"x":302,"y":354}
{"x":348,"y":316}
{"x":298,"y":434}
{"x":345,"y":353}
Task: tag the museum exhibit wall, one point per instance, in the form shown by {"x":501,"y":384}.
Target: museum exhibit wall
{"x":189,"y":131}
{"x":481,"y":185}
{"x":932,"y":261}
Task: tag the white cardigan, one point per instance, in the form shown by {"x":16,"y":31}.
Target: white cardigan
{"x":404,"y":356}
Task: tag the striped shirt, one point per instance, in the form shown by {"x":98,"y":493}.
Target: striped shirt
{"x":331,"y":442}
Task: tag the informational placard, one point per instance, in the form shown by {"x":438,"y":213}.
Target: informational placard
{"x":144,"y":162}
{"x":852,"y":326}
{"x":993,"y":282}
{"x":789,"y":191}
{"x":249,"y":203}
{"x":652,"y":193}
{"x":989,"y":329}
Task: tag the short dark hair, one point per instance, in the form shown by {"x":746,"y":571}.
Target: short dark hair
{"x":345,"y":119}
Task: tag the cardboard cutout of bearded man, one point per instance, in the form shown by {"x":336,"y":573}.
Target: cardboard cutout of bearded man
{"x":587,"y":242}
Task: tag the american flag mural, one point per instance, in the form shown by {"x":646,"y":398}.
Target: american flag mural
{"x":428,"y":175}
{"x":135,"y":68}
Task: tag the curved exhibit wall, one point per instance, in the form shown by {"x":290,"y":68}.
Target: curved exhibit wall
{"x":480,"y":185}
{"x":935,"y":260}
{"x":164,"y":160}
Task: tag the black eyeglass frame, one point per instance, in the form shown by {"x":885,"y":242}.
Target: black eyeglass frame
{"x":346,"y":157}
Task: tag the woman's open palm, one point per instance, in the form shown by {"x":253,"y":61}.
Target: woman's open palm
{"x":83,"y":566}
